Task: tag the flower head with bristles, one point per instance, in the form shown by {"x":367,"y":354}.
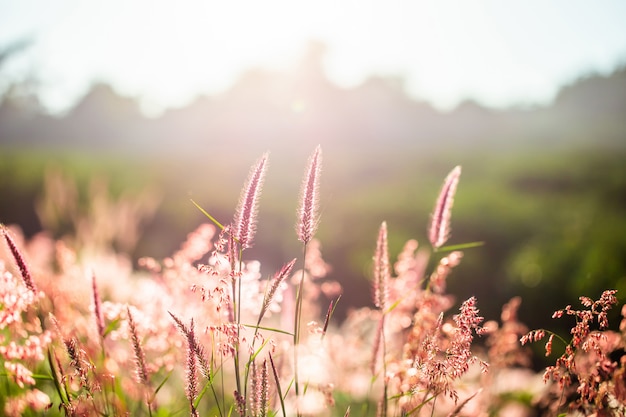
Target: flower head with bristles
{"x":192,"y":371}
{"x":260,"y":389}
{"x":439,"y":230}
{"x":194,"y":346}
{"x":308,"y":216}
{"x":277,"y":281}
{"x":140,"y":357}
{"x":244,"y":222}
{"x":97,"y":306}
{"x":382,"y":273}
{"x":19,"y":260}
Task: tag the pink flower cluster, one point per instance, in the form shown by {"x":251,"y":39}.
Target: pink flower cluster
{"x":207,"y":324}
{"x":27,"y":341}
{"x":586,"y":366}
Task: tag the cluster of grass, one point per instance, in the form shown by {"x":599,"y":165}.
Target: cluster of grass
{"x":203,"y":332}
{"x":559,"y":210}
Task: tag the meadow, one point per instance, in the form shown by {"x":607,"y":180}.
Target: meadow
{"x":330,"y":288}
{"x":552,"y":223}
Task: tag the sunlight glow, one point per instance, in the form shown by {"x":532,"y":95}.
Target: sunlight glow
{"x":447,"y":51}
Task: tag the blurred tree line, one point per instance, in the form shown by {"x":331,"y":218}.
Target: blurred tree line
{"x":544,"y":187}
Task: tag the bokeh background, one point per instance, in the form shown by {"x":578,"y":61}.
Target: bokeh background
{"x":126,"y":110}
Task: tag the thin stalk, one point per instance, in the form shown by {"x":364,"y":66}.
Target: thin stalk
{"x":280,"y":393}
{"x":236,"y":288}
{"x":211,"y":380}
{"x":297,"y":322}
{"x":250,"y":362}
{"x":385,"y":387}
{"x":61,"y":388}
{"x":222,"y":382}
{"x":251,"y":358}
{"x":432,"y":412}
{"x":271,"y":288}
{"x":331,"y":309}
{"x":107,"y":399}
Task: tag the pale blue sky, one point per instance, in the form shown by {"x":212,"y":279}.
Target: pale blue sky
{"x":499,"y":52}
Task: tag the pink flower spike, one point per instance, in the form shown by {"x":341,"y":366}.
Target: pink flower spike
{"x":244,"y":223}
{"x":309,"y":198}
{"x":192,"y":375}
{"x":277,"y":281}
{"x":382,"y":273}
{"x":439,"y":230}
{"x":97,"y":306}
{"x":19,"y":260}
{"x":140,"y":357}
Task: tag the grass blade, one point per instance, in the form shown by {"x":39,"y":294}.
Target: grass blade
{"x":278,"y":389}
{"x":269,"y":329}
{"x":213,"y":219}
{"x":460,"y":246}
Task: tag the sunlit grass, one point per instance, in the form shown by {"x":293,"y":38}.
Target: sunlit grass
{"x":127,"y":341}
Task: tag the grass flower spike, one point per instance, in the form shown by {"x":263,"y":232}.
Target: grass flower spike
{"x":192,"y":370}
{"x":97,"y":306}
{"x":244,"y":223}
{"x":78,"y":346}
{"x":439,"y":230}
{"x":194,"y":346}
{"x":309,"y":198}
{"x":140,"y":357}
{"x":19,"y":260}
{"x":308,"y":218}
{"x":277,"y":281}
{"x":382,"y":276}
{"x":382,"y":273}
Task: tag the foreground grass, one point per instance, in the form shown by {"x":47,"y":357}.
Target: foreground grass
{"x":139,"y":343}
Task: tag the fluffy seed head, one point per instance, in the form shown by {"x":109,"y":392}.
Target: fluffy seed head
{"x":244,"y":223}
{"x":309,"y":198}
{"x":381,"y":268}
{"x":140,"y":357}
{"x":194,"y":346}
{"x":278,"y":279}
{"x":19,"y":260}
{"x":439,"y":230}
{"x":97,"y":305}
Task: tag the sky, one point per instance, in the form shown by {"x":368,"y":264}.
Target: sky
{"x":165,"y":53}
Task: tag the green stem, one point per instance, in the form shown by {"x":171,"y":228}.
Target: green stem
{"x":278,"y":388}
{"x":251,"y":358}
{"x":385,"y":387}
{"x":236,"y":288}
{"x":297,"y":323}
